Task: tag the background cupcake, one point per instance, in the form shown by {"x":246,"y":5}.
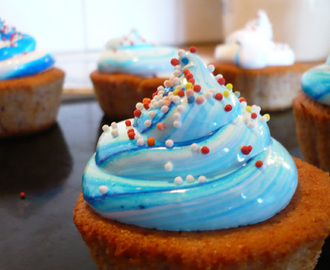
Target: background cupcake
{"x":30,"y":87}
{"x":312,"y":115}
{"x":129,"y":69}
{"x":263,"y":71}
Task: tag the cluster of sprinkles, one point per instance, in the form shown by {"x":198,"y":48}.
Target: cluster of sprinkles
{"x":9,"y":34}
{"x":179,"y":91}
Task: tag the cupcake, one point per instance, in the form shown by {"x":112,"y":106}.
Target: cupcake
{"x":263,"y":71}
{"x":30,"y":87}
{"x":129,"y":69}
{"x":312,"y":114}
{"x":196,"y":182}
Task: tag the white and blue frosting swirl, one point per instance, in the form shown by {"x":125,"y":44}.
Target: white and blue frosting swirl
{"x":134,"y":55}
{"x":171,"y":183}
{"x":316,"y":83}
{"x":18,"y":57}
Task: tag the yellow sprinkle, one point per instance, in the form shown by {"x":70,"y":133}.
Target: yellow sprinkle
{"x":267,"y":116}
{"x":229,"y":86}
{"x":189,"y":85}
{"x":225,"y":93}
{"x":248,"y":109}
{"x":175,"y":92}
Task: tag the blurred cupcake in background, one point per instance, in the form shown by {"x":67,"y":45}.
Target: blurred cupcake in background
{"x":263,"y":71}
{"x":129,"y":69}
{"x":312,"y":115}
{"x":30,"y":86}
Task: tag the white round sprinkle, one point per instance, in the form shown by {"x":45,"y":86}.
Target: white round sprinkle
{"x":139,"y":105}
{"x":161,"y":92}
{"x":211,"y":68}
{"x":177,"y":116}
{"x":176,"y":81}
{"x":161,"y":103}
{"x":169,"y":83}
{"x":151,"y":114}
{"x":176,"y":99}
{"x":251,"y":125}
{"x":177,"y":124}
{"x":147,"y":123}
{"x":263,"y":119}
{"x":243,"y":104}
{"x":246,"y":118}
{"x":114,"y":125}
{"x":194,"y":147}
{"x":114,"y":132}
{"x":178,"y":180}
{"x":202,"y":179}
{"x":190,"y":178}
{"x":160,"y":88}
{"x":182,"y":53}
{"x":137,"y":136}
{"x":208,"y":95}
{"x":169,"y":143}
{"x":256,"y":109}
{"x":140,"y":142}
{"x":180,"y":108}
{"x":103,"y":189}
{"x":177,"y":73}
{"x":164,"y":109}
{"x":177,"y":67}
{"x":105,"y":127}
{"x":212,"y":91}
{"x":218,"y":76}
{"x":168,"y":166}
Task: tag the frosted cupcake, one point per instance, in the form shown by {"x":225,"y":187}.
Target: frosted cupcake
{"x":30,"y":87}
{"x":312,"y":115}
{"x":264,"y":72}
{"x":195,"y":181}
{"x":129,"y":69}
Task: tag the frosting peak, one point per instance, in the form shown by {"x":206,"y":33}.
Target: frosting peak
{"x":195,"y":157}
{"x":252,"y":47}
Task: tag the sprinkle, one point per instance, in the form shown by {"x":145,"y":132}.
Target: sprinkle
{"x":131,"y":135}
{"x":169,"y":83}
{"x":178,"y":180}
{"x":177,"y":116}
{"x":164,"y":109}
{"x":152,"y":114}
{"x":186,"y":71}
{"x":175,"y":92}
{"x":229,"y":86}
{"x":22,"y":194}
{"x":177,"y":73}
{"x":208,"y":95}
{"x":205,"y":150}
{"x":139,"y":105}
{"x":192,"y":80}
{"x":200,"y":100}
{"x":168,"y":166}
{"x":140,"y":142}
{"x":147,"y":123}
{"x":146,"y":106}
{"x":197,"y":88}
{"x":237,"y":93}
{"x":267,"y":116}
{"x":211,"y":68}
{"x":191,"y":99}
{"x":103,"y":189}
{"x":256,"y":109}
{"x":151,"y":141}
{"x":189,"y":85}
{"x":226,"y":93}
{"x":180,"y":93}
{"x":218,"y":96}
{"x":137,"y":113}
{"x":169,"y":143}
{"x":254,"y":115}
{"x":174,"y":62}
{"x":180,"y":108}
{"x":105,"y":127}
{"x":190,"y":178}
{"x":202,"y":179}
{"x":181,"y":53}
{"x":246,"y":149}
{"x":185,"y":60}
{"x":160,"y":126}
{"x":221,"y":81}
{"x":228,"y":108}
{"x":114,"y":132}
{"x":243,"y":104}
{"x":146,"y":100}
{"x":190,"y":92}
{"x":259,"y":163}
{"x":194,"y":147}
{"x":177,"y":124}
{"x":176,"y":100}
{"x":241,"y":99}
{"x":137,"y":136}
{"x":248,"y":109}
{"x":193,"y":49}
{"x":160,"y":88}
{"x":263,"y":119}
{"x":250,"y":125}
{"x":114,"y":125}
{"x":212,"y":90}
{"x":130,"y":130}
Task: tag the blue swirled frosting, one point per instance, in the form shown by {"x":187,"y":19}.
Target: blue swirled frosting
{"x":195,"y":157}
{"x":18,"y":56}
{"x":134,"y":55}
{"x":316,"y":83}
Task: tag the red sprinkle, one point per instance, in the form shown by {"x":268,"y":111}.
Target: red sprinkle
{"x":174,"y":62}
{"x":130,"y":130}
{"x":189,"y":76}
{"x":246,"y":149}
{"x":228,"y":108}
{"x":192,"y":81}
{"x":193,"y":49}
{"x":180,"y":93}
{"x":146,"y":100}
{"x":218,"y":96}
{"x":205,"y":150}
{"x":259,"y":163}
{"x":151,"y":141}
{"x":241,"y":99}
{"x":22,"y":195}
{"x":128,"y":123}
{"x":160,"y":126}
{"x":254,"y":115}
{"x":222,"y":81}
{"x":137,"y":113}
{"x":186,"y":71}
{"x":197,"y":88}
{"x":131,"y":135}
{"x":146,"y":106}
{"x":154,"y":94}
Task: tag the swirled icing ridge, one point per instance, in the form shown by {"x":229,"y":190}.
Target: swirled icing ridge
{"x":195,"y":157}
{"x":18,"y":57}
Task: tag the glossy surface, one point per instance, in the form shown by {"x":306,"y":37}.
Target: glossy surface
{"x":136,"y":183}
{"x":38,"y":232}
